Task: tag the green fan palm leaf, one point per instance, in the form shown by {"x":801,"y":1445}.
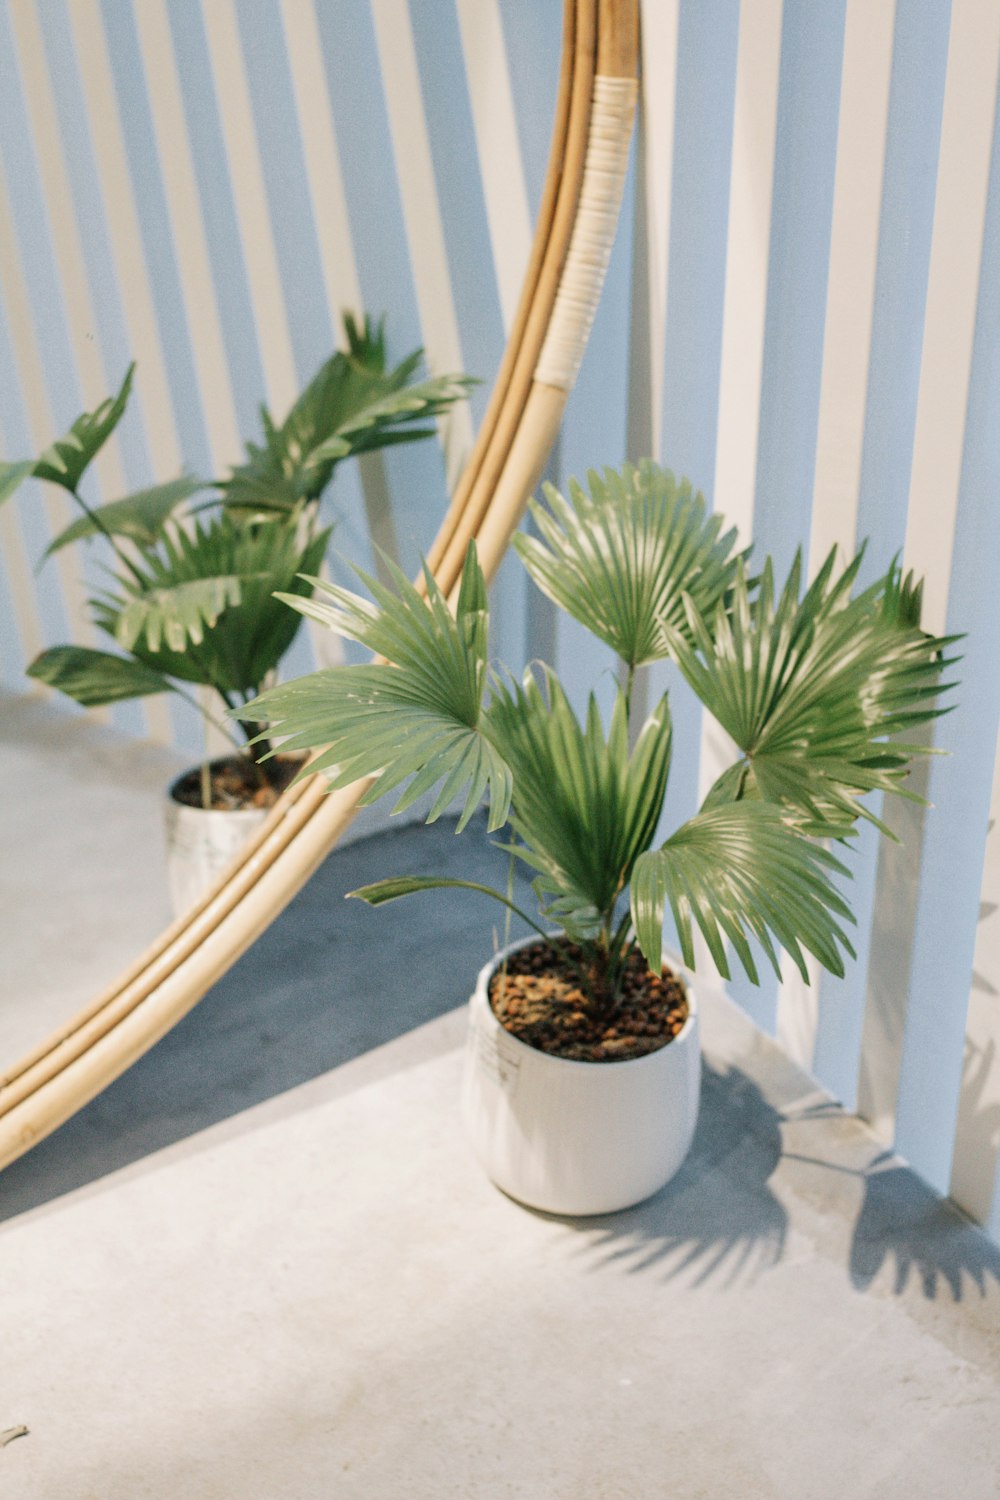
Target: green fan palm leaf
{"x":419,"y":714}
{"x":140,"y":516}
{"x":621,"y":558}
{"x":583,"y":809}
{"x":65,"y":461}
{"x":814,"y":691}
{"x":94,"y":678}
{"x":202,"y":607}
{"x":741,"y":871}
{"x":352,"y":405}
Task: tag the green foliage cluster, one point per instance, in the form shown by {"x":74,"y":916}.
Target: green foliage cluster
{"x":191,"y":594}
{"x":818,"y":688}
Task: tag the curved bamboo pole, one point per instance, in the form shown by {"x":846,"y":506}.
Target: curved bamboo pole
{"x":579,"y":210}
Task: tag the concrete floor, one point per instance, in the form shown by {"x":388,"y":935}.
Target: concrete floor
{"x":263,"y":1264}
{"x":82,"y":883}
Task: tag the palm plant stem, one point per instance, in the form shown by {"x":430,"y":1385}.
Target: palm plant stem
{"x":94,"y":518}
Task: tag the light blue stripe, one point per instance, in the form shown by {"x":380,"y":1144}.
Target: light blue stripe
{"x":699,"y":217}
{"x":28,"y":500}
{"x":919,"y":64}
{"x":699,"y":214}
{"x":286,"y":184}
{"x":960,"y":787}
{"x":841,"y":1018}
{"x":533,"y":43}
{"x":34,"y":235}
{"x":350,"y":55}
{"x":157,"y":236}
{"x":916,"y":97}
{"x":812,"y":43}
{"x":459,"y":182}
{"x":211,"y":167}
{"x":95,"y":240}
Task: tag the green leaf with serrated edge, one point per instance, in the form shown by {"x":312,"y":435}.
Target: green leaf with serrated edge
{"x":620,"y":557}
{"x":420,"y":716}
{"x":352,"y":405}
{"x":139,"y":516}
{"x":738,"y":872}
{"x":94,"y":678}
{"x":817,"y":689}
{"x":65,"y":461}
{"x":180,"y":584}
{"x":12,"y":476}
{"x":583,"y":810}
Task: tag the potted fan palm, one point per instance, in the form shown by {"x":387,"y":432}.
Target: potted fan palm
{"x":190,"y":602}
{"x":582,"y":1074}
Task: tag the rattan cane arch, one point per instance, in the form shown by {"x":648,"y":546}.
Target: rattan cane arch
{"x":580,"y":203}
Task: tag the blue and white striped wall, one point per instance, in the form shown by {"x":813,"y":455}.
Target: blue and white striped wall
{"x":802,"y":314}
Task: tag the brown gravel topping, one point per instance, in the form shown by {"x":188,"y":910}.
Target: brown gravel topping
{"x":236,"y":785}
{"x":539,"y":1000}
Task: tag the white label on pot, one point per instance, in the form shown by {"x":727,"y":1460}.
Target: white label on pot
{"x":498,"y":1057}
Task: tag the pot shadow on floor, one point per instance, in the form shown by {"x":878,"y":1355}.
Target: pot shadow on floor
{"x":329,"y":981}
{"x":718,"y":1219}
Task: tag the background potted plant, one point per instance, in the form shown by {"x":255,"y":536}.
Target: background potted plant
{"x":190,"y":602}
{"x":582,"y":1071}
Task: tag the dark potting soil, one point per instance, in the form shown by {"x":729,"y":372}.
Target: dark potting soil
{"x":237,"y":784}
{"x":539,"y":1000}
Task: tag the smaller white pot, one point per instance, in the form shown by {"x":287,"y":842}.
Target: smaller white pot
{"x":577,"y":1137}
{"x":201,"y":843}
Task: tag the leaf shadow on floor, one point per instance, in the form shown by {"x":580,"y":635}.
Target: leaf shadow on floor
{"x":718,"y":1218}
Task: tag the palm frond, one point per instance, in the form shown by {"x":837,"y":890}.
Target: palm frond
{"x":417,"y":716}
{"x":742,"y":871}
{"x":815,"y":691}
{"x":139,"y":516}
{"x":175,"y":615}
{"x":352,"y":405}
{"x":583,"y":810}
{"x":621,"y":558}
{"x":201,"y":605}
{"x":12,"y":476}
{"x":94,"y":678}
{"x":65,"y":461}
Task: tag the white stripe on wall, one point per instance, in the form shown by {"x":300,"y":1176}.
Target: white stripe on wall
{"x":499,"y":149}
{"x":319,"y":143}
{"x":152,"y":390}
{"x":421,"y":211}
{"x":751,"y":184}
{"x":857,"y":200}
{"x":660,"y":20}
{"x":42,"y":429}
{"x":239,"y":129}
{"x":186,"y":222}
{"x":96,"y":379}
{"x":963,"y":175}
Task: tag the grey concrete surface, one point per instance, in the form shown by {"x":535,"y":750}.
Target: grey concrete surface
{"x":264,"y":1264}
{"x":82,"y":858}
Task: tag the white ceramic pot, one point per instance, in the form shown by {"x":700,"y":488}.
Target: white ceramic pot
{"x":577,"y":1137}
{"x":201,"y":843}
